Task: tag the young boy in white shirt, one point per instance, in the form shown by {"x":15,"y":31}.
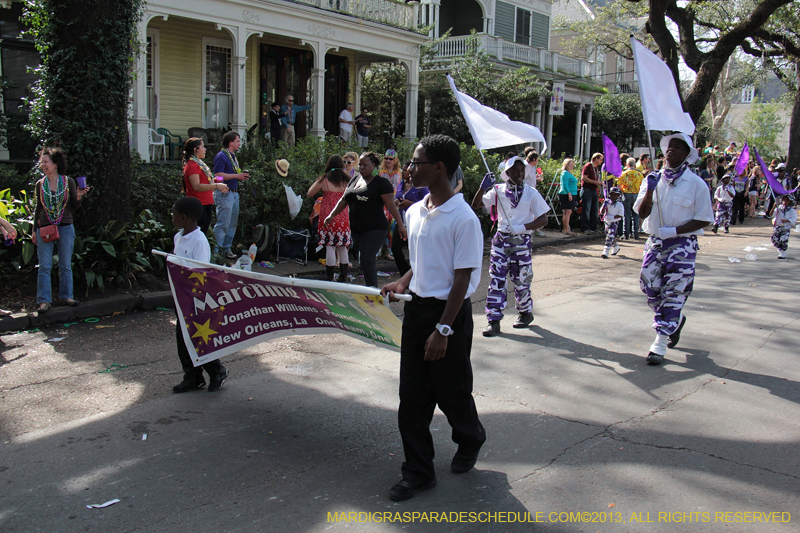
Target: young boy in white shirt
{"x":613,"y":210}
{"x":191,"y":243}
{"x":785,"y":218}
{"x":724,"y":196}
{"x":445,"y":247}
{"x":520,"y":211}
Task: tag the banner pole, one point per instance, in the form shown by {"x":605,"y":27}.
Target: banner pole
{"x":489,"y":170}
{"x":652,"y":160}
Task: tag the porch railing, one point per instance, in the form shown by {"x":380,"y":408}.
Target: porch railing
{"x":528,"y":55}
{"x":386,"y":11}
{"x":624,"y":87}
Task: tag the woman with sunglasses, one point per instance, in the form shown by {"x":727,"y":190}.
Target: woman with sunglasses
{"x":351,"y":164}
{"x":366,"y":196}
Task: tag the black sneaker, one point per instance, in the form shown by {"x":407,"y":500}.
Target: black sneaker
{"x":715,"y":228}
{"x":654,"y":359}
{"x":218,"y":379}
{"x":493,"y":329}
{"x":406,"y":489}
{"x":675,"y":337}
{"x":523,"y":320}
{"x":728,"y":230}
{"x":464,"y":460}
{"x":189,"y":385}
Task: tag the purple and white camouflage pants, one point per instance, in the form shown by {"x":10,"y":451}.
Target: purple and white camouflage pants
{"x":724,"y":212}
{"x":667,"y":278}
{"x":780,"y":238}
{"x":511,"y":254}
{"x":611,"y":233}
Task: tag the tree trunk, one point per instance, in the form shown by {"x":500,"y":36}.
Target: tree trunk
{"x":793,"y":160}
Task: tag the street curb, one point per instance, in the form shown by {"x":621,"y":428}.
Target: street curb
{"x":95,"y":308}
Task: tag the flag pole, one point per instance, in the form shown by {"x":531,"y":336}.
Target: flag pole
{"x":655,"y":191}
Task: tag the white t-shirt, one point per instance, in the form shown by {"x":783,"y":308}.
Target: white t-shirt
{"x":530,"y":207}
{"x":348,"y":116}
{"x":192,"y":246}
{"x":614,"y":212}
{"x":725,"y":194}
{"x":440,"y":241}
{"x":687,"y":200}
{"x":531,"y":176}
{"x":788,"y":213}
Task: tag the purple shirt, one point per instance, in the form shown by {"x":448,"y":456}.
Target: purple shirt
{"x":413,"y":194}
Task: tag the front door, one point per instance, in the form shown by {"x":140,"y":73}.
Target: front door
{"x":285,"y":71}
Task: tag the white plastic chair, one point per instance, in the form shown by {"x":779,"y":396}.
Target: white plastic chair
{"x":154,"y":140}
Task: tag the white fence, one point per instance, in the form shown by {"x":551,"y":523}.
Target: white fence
{"x":388,"y":11}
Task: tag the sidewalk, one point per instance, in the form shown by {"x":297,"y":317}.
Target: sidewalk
{"x":163,"y":299}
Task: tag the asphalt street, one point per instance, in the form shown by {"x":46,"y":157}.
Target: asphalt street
{"x":583,"y":436}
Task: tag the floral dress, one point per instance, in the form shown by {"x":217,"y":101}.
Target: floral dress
{"x":337,"y":233}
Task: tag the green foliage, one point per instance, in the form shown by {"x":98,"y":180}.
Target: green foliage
{"x":384,"y":94}
{"x":115,"y":252}
{"x":514,"y":92}
{"x":619,"y":116}
{"x":155,"y":187}
{"x":18,"y":210}
{"x":80,"y":102}
{"x":762,"y":125}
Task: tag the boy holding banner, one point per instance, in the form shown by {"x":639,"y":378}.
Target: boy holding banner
{"x":191,"y":243}
{"x":445,"y":245}
{"x":675,"y":207}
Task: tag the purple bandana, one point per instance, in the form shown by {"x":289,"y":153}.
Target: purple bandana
{"x":514,"y":194}
{"x":672,"y":174}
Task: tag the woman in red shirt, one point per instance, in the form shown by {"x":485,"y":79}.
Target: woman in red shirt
{"x":198,"y":180}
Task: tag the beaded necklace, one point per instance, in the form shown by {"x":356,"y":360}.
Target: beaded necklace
{"x":54,"y":203}
{"x":234,"y":162}
{"x":202,"y":165}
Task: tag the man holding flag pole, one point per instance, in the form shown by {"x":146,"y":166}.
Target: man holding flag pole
{"x":674,"y":204}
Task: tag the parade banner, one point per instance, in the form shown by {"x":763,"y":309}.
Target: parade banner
{"x":223,"y":310}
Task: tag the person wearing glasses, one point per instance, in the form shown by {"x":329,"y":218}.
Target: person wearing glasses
{"x":366,"y":195}
{"x":289,"y":113}
{"x":445,"y":245}
{"x":351,"y":164}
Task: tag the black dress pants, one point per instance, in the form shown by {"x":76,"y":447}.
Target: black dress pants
{"x":190,"y":371}
{"x":397,"y":251}
{"x":739,"y":201}
{"x":446,"y":382}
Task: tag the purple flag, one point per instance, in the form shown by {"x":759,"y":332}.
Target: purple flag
{"x":611,"y":157}
{"x":774,"y":184}
{"x":744,"y":159}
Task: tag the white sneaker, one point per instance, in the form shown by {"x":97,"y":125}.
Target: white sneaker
{"x":659,"y":345}
{"x":781,"y":254}
{"x":606,"y":251}
{"x":616,"y":250}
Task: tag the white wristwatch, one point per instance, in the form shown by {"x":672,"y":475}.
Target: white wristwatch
{"x":444,"y":329}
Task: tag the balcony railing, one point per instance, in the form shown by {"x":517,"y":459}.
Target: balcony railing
{"x":624,"y":87}
{"x":507,"y":51}
{"x":385,"y":11}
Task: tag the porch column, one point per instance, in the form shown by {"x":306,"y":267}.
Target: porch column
{"x":359,"y":86}
{"x":588,"y":151}
{"x":549,"y":134}
{"x":320,"y":49}
{"x":140,"y":122}
{"x":436,"y":18}
{"x":412,"y":98}
{"x":239,"y":119}
{"x":578,"y":120}
{"x":537,"y":121}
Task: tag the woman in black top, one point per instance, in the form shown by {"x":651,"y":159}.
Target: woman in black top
{"x":366,"y":195}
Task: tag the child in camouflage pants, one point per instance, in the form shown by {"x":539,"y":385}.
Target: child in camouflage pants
{"x":785,"y":218}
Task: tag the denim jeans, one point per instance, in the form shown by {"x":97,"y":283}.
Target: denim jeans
{"x":63,"y":247}
{"x":589,"y":209}
{"x":631,"y":216}
{"x":369,"y":243}
{"x":227,"y":217}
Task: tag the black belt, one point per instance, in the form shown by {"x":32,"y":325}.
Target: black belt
{"x":422,"y":300}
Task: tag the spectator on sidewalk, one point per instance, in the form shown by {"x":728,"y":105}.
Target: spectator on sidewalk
{"x":227,"y":166}
{"x":568,"y":193}
{"x":289,"y":113}
{"x":346,"y":123}
{"x":363,"y":126}
{"x":629,"y":182}
{"x":590,"y":182}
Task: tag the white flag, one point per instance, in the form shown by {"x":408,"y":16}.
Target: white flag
{"x":661,"y":102}
{"x":491,"y":128}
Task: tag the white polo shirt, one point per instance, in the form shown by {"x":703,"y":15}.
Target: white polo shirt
{"x":192,"y":246}
{"x":614,"y":212}
{"x":440,"y":241}
{"x":346,"y":115}
{"x":686,"y":200}
{"x":530,"y":207}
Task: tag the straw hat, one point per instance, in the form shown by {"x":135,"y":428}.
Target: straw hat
{"x":282,"y":166}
